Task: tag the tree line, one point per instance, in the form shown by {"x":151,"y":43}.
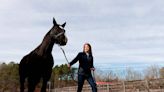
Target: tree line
{"x":9,"y":76}
{"x":62,"y":76}
{"x":150,"y":72}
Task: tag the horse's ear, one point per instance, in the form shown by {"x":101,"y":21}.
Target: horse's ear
{"x":54,"y":21}
{"x":63,"y":25}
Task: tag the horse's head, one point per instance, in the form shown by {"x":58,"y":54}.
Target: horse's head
{"x":57,"y":33}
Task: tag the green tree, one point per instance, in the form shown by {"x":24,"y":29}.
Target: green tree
{"x":9,"y":76}
{"x":61,"y":76}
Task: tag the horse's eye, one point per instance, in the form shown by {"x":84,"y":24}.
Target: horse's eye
{"x":64,"y":30}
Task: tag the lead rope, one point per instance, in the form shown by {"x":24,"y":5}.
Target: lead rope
{"x":67,"y":62}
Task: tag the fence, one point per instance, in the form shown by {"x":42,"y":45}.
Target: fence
{"x":154,"y":85}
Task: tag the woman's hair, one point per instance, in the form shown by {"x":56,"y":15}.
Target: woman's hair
{"x":90,"y":48}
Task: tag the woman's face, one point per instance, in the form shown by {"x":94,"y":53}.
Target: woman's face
{"x":86,"y":48}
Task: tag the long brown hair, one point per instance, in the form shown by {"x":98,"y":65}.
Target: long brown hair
{"x":90,"y":48}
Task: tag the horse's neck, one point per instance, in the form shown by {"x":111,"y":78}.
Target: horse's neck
{"x":45,"y":48}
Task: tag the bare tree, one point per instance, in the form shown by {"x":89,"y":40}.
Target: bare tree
{"x":106,"y":75}
{"x":162,"y":72}
{"x":152,"y":72}
{"x":132,"y":74}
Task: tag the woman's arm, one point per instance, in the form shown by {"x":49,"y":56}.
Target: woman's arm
{"x":74,"y":60}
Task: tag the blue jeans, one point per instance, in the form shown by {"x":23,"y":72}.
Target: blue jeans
{"x":91,"y":81}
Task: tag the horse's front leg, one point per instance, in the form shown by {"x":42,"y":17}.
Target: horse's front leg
{"x":32,"y":82}
{"x":44,"y":85}
{"x":46,"y":76}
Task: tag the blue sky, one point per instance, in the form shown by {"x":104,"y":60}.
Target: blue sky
{"x":120,"y":31}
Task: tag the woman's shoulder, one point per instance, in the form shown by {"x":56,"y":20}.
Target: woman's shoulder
{"x":81,"y":53}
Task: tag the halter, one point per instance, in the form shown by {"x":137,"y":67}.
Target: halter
{"x":59,"y":34}
{"x":60,"y":26}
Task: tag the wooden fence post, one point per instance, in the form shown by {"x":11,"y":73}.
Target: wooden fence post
{"x":124,"y":89}
{"x":107,"y":87}
{"x":147,"y":85}
{"x":138,"y":90}
{"x":49,"y":86}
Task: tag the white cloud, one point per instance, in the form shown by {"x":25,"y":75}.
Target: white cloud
{"x":119,"y":30}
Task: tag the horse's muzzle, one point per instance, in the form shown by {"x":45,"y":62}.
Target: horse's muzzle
{"x":64,"y":42}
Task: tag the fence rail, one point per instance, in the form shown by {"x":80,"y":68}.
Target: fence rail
{"x":154,"y":85}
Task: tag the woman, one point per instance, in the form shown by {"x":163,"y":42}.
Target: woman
{"x":85,"y":59}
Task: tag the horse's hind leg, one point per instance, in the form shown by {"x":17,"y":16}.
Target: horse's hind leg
{"x":44,"y":85}
{"x":22,"y":77}
{"x":22,"y":80}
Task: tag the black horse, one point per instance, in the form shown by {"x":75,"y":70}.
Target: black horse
{"x":38,"y":63}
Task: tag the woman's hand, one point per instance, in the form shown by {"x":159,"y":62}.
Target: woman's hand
{"x":92,"y":69}
{"x":69,"y":65}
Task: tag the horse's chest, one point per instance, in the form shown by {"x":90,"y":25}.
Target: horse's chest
{"x":35,"y":61}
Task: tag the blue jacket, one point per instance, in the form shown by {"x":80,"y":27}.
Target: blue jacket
{"x":85,"y":63}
